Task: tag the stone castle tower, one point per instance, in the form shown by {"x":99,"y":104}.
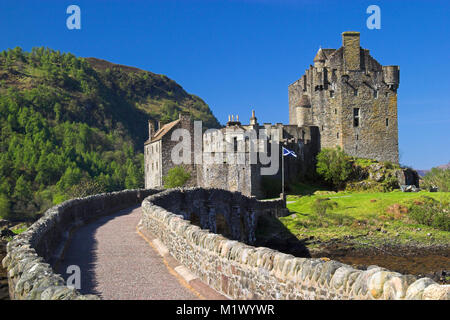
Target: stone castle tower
{"x":351,"y":99}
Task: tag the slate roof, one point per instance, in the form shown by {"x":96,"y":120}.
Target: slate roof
{"x":163,"y":131}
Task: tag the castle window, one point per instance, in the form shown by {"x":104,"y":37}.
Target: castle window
{"x":356,"y":117}
{"x":335,"y":111}
{"x":355,"y":92}
{"x":357,"y":137}
{"x":331,"y":94}
{"x":337,"y":135}
{"x":387,"y":122}
{"x":235,"y":145}
{"x":375,"y":94}
{"x":322,"y":128}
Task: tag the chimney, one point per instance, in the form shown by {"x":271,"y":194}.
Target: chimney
{"x":352,"y":50}
{"x":253,"y":120}
{"x":151,"y":129}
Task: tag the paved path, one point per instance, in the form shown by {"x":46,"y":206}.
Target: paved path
{"x":117,"y":263}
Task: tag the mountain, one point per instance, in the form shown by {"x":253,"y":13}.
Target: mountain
{"x":444,"y":166}
{"x":72,"y":126}
{"x":422,"y":173}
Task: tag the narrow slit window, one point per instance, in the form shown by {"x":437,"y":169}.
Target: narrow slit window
{"x":355,"y":92}
{"x":387,"y":122}
{"x":331,"y":94}
{"x":356,"y":117}
{"x":235,"y":145}
{"x":375,"y":94}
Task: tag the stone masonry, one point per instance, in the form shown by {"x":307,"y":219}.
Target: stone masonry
{"x":351,"y":98}
{"x":241,"y":271}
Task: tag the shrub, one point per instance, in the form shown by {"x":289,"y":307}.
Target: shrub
{"x":321,"y":205}
{"x":334,"y":166}
{"x":176,"y":177}
{"x":431,"y":212}
{"x":439,"y":178}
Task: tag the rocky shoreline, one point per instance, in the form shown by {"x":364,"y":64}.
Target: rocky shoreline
{"x":432,"y":261}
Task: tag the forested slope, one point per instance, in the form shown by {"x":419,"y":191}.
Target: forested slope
{"x":72,"y":126}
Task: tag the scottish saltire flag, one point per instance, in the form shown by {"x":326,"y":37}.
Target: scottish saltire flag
{"x":287,"y":152}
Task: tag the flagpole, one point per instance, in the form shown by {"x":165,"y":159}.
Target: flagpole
{"x":282,"y":171}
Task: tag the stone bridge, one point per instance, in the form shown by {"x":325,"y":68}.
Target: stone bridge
{"x":204,"y":237}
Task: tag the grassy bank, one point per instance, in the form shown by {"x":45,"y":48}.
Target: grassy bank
{"x":363,"y":218}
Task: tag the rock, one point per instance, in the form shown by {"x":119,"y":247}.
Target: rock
{"x":6,"y":233}
{"x":416,"y":290}
{"x":409,"y":188}
{"x":436,"y":292}
{"x":340,"y":276}
{"x":395,"y":288}
{"x":376,"y":282}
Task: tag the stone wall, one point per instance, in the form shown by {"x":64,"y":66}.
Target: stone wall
{"x":220,"y":211}
{"x":31,"y":255}
{"x":241,"y":271}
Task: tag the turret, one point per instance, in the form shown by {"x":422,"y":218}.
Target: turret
{"x":391,"y":76}
{"x":304,"y":112}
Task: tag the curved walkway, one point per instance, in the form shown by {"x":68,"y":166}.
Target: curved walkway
{"x":117,"y":263}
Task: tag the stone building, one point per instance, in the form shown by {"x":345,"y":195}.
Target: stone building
{"x":237,"y":172}
{"x":225,"y":161}
{"x":351,"y":99}
{"x":158,"y":149}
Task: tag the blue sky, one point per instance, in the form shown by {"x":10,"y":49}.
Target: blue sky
{"x":240,"y":55}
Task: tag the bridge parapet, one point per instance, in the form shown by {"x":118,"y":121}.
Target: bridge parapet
{"x":241,"y":271}
{"x":32,"y":255}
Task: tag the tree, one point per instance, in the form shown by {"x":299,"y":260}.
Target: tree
{"x":176,"y":177}
{"x":5,"y":206}
{"x":334,"y":166}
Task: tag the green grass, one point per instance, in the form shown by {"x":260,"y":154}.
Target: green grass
{"x":362,"y":216}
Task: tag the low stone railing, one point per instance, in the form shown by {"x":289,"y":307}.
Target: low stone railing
{"x":31,"y":255}
{"x":241,"y":271}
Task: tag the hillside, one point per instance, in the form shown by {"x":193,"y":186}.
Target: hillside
{"x":422,"y":173}
{"x":72,"y":126}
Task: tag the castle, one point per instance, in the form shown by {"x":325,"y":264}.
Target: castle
{"x":345,"y":99}
{"x":351,"y":98}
